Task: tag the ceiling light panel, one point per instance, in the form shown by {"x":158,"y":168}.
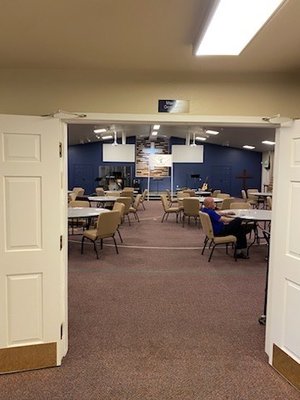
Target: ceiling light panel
{"x":268,"y":142}
{"x":100,"y":130}
{"x":200,"y":138}
{"x":156,"y":127}
{"x":234,"y":24}
{"x":106,"y":137}
{"x":246,"y":146}
{"x":210,"y":132}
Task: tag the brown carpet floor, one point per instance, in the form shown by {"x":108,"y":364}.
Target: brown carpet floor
{"x":159,"y":322}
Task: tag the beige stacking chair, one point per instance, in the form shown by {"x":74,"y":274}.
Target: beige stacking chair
{"x":127,"y":202}
{"x":191,"y":192}
{"x":190,"y":209}
{"x":113,"y":193}
{"x":167,"y":209}
{"x":121,"y":208}
{"x":213,"y":240}
{"x":79,"y":191}
{"x":252,"y":199}
{"x":133,"y":209}
{"x":226,"y":203}
{"x":107,"y":226}
{"x":144,"y":198}
{"x":171,"y":200}
{"x":100,"y":191}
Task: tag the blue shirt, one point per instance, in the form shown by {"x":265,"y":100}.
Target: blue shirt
{"x":215,"y":220}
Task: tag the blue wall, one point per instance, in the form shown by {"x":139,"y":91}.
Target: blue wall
{"x":222,"y":166}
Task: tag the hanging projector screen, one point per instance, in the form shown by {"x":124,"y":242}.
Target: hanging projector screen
{"x":187,"y":154}
{"x":120,"y":153}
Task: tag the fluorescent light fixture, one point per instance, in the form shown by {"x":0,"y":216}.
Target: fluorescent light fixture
{"x":101,"y":130}
{"x":246,"y":146}
{"x":233,"y":25}
{"x":156,"y":127}
{"x":210,"y":132}
{"x":268,"y":142}
{"x":106,"y":137}
{"x":154,"y":133}
{"x":200,"y":138}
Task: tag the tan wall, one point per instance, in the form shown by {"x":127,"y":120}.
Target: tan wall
{"x":44,"y":91}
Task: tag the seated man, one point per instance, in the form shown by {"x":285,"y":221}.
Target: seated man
{"x":224,"y":225}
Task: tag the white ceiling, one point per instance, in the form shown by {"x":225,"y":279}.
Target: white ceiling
{"x":143,"y":38}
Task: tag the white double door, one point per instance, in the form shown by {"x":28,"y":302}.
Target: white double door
{"x":33,"y":260}
{"x":33,"y":255}
{"x":283,"y":310}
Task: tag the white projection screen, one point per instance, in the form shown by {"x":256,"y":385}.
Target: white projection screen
{"x":120,"y":153}
{"x":187,"y":154}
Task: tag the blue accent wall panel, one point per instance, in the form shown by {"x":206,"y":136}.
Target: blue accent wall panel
{"x":222,"y":167}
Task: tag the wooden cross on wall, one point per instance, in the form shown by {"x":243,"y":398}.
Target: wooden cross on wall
{"x":244,"y":177}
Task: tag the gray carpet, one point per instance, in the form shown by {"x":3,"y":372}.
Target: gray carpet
{"x":159,"y":322}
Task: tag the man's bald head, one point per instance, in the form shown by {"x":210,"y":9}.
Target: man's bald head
{"x":209,"y":202}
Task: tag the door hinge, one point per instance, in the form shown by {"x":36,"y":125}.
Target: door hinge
{"x":60,"y":149}
{"x":60,"y":242}
{"x":61,"y":331}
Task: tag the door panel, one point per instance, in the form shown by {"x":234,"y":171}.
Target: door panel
{"x":283,"y":317}
{"x":33,"y":265}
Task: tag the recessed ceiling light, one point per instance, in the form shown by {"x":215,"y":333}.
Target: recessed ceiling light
{"x":107,"y":137}
{"x":200,"y":138}
{"x":246,"y":146}
{"x":156,"y":127}
{"x":210,"y":132}
{"x":233,"y":25}
{"x":154,"y":133}
{"x":268,"y":142}
{"x":100,"y":130}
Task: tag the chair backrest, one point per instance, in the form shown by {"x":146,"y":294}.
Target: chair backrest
{"x":137,"y":201}
{"x":71,"y":196}
{"x":244,"y":194}
{"x":240,"y":205}
{"x":108,"y":223}
{"x":127,"y":193}
{"x":126,"y":201}
{"x":128,"y":189}
{"x":144,"y":194}
{"x":164,"y":200}
{"x":182,"y":193}
{"x":119,"y":207}
{"x":251,"y":196}
{"x":78,"y":190}
{"x":113,"y":193}
{"x":191,"y":206}
{"x":223,"y":195}
{"x":100,"y":191}
{"x":226,"y":203}
{"x":191,"y":192}
{"x":168,"y":194}
{"x":215,"y":192}
{"x":206,"y":225}
{"x":79,"y":203}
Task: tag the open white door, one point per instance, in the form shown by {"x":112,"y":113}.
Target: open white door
{"x":283,"y":311}
{"x":33,"y":309}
